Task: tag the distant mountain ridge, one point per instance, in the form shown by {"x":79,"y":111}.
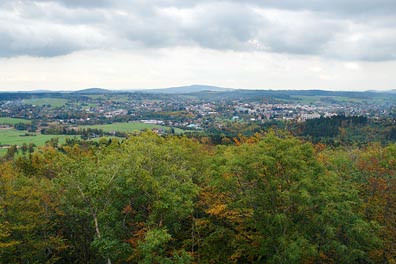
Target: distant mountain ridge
{"x":197,"y":88}
{"x":189,"y":89}
{"x":171,"y":90}
{"x":94,"y":91}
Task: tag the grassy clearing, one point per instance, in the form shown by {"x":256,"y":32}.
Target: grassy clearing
{"x":96,"y":96}
{"x":11,"y":136}
{"x":15,"y":137}
{"x":54,"y":102}
{"x":13,"y":121}
{"x":129,"y":127}
{"x":119,"y":98}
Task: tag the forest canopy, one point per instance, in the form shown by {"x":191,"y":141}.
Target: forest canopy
{"x":269,"y":198}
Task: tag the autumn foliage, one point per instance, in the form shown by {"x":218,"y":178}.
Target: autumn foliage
{"x":270,"y":198}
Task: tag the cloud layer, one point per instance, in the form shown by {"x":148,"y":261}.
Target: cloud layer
{"x":342,"y":30}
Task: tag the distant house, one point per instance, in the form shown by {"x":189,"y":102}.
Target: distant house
{"x":193,"y":126}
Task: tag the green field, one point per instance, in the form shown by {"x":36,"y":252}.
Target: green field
{"x":97,"y":96}
{"x":129,"y":127}
{"x":15,"y":137}
{"x":13,"y":121}
{"x":54,"y":102}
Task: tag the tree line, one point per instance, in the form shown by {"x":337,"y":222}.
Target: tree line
{"x":85,"y":133}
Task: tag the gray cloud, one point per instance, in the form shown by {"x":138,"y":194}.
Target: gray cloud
{"x":340,"y":29}
{"x":333,"y":7}
{"x":79,"y":3}
{"x":26,"y":36}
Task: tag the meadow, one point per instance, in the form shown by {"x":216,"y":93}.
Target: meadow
{"x":13,"y":121}
{"x":130,"y":127}
{"x":53,"y":102}
{"x":10,"y":136}
{"x":15,"y":137}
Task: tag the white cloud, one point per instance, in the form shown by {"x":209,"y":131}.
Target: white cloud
{"x":184,"y":66}
{"x":353,"y":66}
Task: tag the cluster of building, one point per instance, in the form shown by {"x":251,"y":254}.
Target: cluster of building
{"x":184,"y":111}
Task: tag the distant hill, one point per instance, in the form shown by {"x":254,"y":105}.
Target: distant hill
{"x":208,"y":91}
{"x":189,"y":89}
{"x":93,"y":91}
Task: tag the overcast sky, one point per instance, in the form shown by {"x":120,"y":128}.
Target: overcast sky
{"x":261,"y":44}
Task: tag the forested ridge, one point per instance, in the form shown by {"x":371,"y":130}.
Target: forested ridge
{"x":269,"y":198}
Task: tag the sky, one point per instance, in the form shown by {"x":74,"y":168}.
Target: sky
{"x":139,"y":44}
